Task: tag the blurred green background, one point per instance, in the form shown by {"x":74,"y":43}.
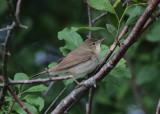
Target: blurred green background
{"x":34,"y":48}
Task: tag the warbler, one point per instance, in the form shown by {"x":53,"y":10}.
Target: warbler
{"x":78,"y":62}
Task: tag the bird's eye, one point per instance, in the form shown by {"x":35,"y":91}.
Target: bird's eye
{"x":93,"y":43}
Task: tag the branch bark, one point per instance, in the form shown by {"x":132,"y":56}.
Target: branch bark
{"x":78,"y":92}
{"x":37,"y":80}
{"x":15,"y":24}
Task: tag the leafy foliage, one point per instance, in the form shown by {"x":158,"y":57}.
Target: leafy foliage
{"x":114,"y":94}
{"x":21,"y":76}
{"x":34,"y":100}
{"x":72,"y":40}
{"x":37,"y":88}
{"x":134,"y":13}
{"x":104,"y":5}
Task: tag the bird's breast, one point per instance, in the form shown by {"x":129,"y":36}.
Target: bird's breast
{"x":84,"y":68}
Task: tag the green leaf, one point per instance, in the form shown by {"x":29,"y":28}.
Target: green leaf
{"x":104,"y":50}
{"x":67,"y":82}
{"x":113,"y":19}
{"x":104,"y":5}
{"x":31,"y":108}
{"x":111,"y":29}
{"x":8,"y":98}
{"x":3,"y":112}
{"x":118,"y":7}
{"x":134,"y":13}
{"x":153,"y":34}
{"x":20,"y":110}
{"x":37,"y":88}
{"x":51,"y":65}
{"x":35,"y":100}
{"x":123,"y":91}
{"x":21,"y":76}
{"x":86,"y":28}
{"x":71,"y":38}
{"x":147,"y":74}
{"x":121,"y":70}
{"x":156,"y":54}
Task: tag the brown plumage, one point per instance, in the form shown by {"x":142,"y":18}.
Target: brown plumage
{"x":76,"y":57}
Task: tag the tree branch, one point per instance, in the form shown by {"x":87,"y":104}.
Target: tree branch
{"x":78,"y":92}
{"x":38,"y":80}
{"x":150,"y":21}
{"x":6,"y":53}
{"x":4,"y":63}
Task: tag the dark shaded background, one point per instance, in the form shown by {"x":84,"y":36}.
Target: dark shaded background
{"x":33,"y":49}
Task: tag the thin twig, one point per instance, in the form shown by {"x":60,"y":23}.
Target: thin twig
{"x":89,"y":104}
{"x":4,"y":64}
{"x":89,"y":19}
{"x":56,"y":99}
{"x":7,"y":28}
{"x":78,"y":92}
{"x":15,"y":13}
{"x":5,"y":54}
{"x":38,"y":80}
{"x":133,"y":83}
{"x":158,"y":108}
{"x":49,"y":87}
{"x":16,"y":98}
{"x":99,"y":17}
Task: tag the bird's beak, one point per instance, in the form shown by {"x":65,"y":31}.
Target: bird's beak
{"x":101,"y":40}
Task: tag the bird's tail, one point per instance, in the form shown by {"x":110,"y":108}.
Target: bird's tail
{"x":44,"y":72}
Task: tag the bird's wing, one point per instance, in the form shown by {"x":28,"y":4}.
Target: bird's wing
{"x":69,"y":60}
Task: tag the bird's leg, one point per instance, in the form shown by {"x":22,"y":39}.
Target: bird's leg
{"x":74,"y":78}
{"x":48,"y":74}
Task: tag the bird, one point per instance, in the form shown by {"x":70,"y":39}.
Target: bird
{"x":78,"y":62}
